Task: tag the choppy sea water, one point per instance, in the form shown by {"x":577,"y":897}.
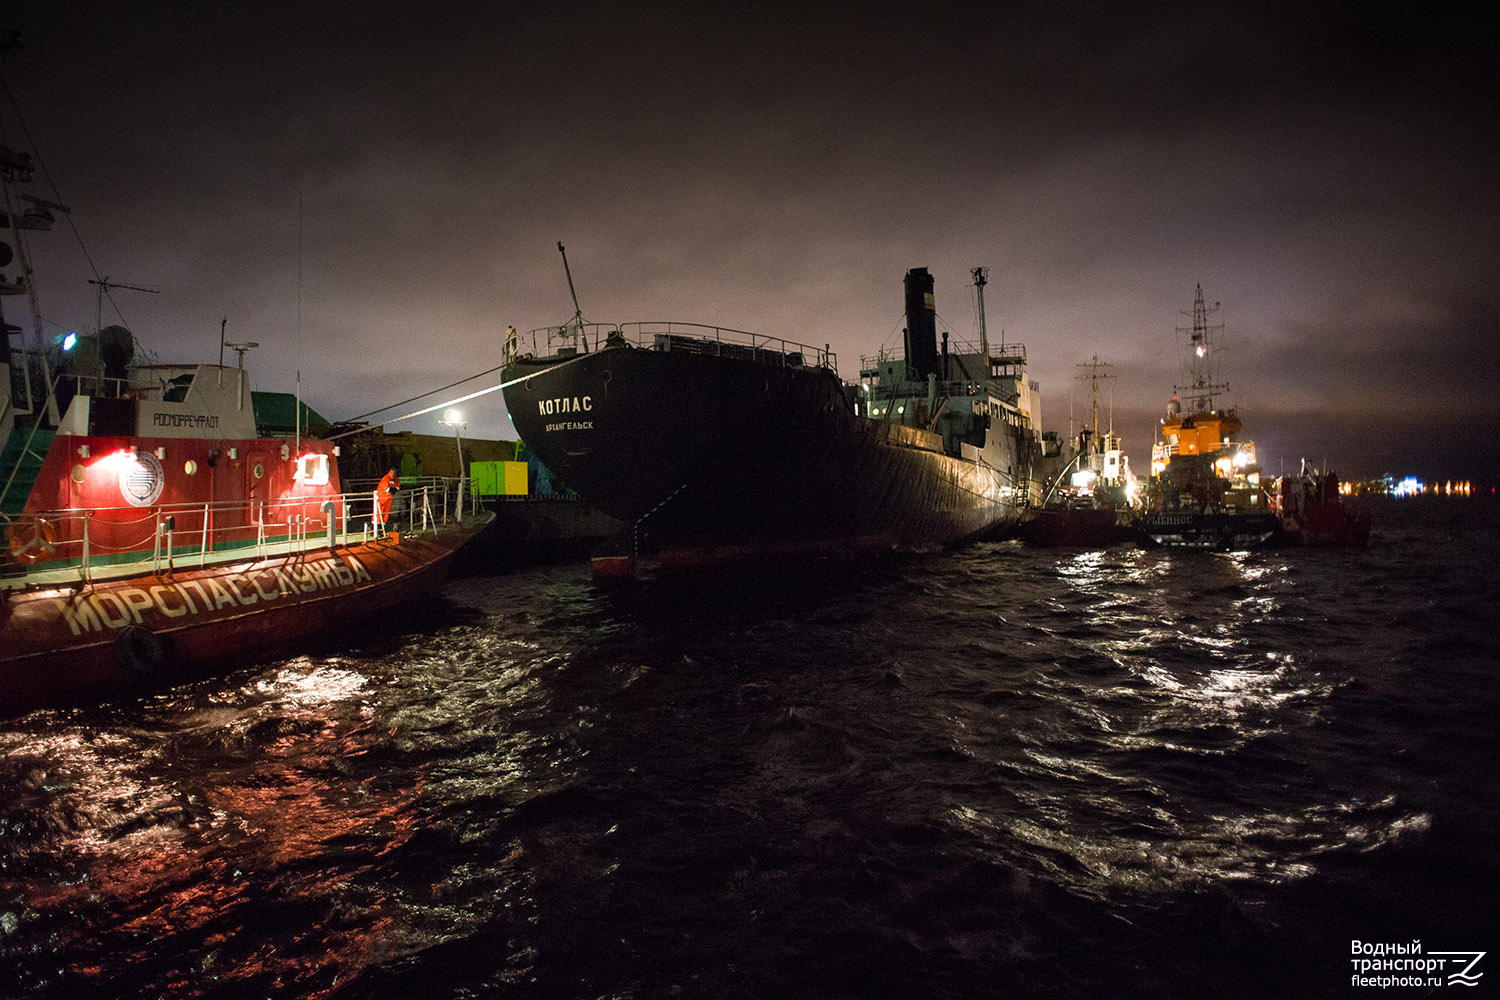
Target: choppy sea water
{"x":996,"y":772}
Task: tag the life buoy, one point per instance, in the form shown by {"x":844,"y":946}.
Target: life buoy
{"x":32,"y":540}
{"x":140,"y":651}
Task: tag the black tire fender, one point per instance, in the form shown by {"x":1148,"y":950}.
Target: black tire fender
{"x":140,"y":651}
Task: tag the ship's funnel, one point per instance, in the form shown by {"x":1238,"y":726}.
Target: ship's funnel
{"x":921,"y":324}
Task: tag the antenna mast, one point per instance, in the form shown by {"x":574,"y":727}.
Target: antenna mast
{"x":104,"y":286}
{"x":1095,"y":376}
{"x":1200,"y":375}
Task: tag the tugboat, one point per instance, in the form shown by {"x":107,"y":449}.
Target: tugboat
{"x":1205,"y":490}
{"x":1092,"y":501}
{"x":1313,"y":512}
{"x":714,"y":445}
{"x":152,"y":532}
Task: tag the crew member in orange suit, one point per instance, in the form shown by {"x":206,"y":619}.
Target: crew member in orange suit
{"x":389,"y":484}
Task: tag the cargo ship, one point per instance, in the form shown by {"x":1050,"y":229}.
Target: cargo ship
{"x":155,"y":530}
{"x":1205,"y":490}
{"x":714,"y":445}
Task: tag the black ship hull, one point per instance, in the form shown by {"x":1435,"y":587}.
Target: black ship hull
{"x":1220,"y":531}
{"x":706,"y":456}
{"x":1075,"y":527}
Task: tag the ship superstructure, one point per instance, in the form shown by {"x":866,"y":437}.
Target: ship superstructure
{"x":979,"y":401}
{"x":153,"y":527}
{"x":1206,"y":489}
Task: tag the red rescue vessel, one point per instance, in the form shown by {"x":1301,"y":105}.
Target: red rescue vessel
{"x":155,"y":530}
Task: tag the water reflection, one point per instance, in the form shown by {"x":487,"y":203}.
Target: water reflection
{"x":1133,"y":774}
{"x":904,"y":767}
{"x":186,"y":831}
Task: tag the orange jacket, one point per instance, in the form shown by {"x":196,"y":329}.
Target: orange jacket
{"x":389,"y":484}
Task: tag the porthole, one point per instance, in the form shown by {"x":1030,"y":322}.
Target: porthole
{"x":190,"y":467}
{"x":78,"y":473}
{"x":260,"y":470}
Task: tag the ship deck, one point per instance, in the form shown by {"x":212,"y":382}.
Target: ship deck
{"x":421,"y":518}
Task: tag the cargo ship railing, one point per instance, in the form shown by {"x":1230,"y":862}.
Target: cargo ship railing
{"x":72,"y":546}
{"x":693,"y":338}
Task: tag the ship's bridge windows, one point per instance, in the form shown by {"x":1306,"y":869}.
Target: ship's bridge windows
{"x":312,"y":470}
{"x":177,"y":389}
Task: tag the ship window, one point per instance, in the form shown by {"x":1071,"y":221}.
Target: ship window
{"x":312,"y":470}
{"x":177,"y":389}
{"x":260,"y":470}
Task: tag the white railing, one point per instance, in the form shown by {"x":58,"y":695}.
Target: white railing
{"x":662,"y":336}
{"x":80,"y":544}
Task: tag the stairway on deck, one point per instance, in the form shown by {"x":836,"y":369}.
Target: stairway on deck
{"x":27,"y":464}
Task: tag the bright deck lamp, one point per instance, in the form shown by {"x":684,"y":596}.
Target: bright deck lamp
{"x":455,"y":420}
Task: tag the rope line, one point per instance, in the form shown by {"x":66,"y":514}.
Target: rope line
{"x":461,"y":399}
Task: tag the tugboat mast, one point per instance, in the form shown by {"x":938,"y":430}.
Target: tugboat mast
{"x":1094,"y":376}
{"x":1201,"y":386}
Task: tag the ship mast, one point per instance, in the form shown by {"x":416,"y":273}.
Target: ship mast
{"x":1201,"y":385}
{"x":16,"y":170}
{"x":1094,"y":377}
{"x":981,"y":278}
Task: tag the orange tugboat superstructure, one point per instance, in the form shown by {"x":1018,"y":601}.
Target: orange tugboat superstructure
{"x":1205,"y":481}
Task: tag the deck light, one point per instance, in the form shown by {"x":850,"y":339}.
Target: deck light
{"x":454,"y":419}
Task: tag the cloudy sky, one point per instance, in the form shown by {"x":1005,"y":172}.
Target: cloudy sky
{"x":1325,"y":171}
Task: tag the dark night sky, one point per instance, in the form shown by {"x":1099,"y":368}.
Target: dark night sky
{"x":1326,"y":171}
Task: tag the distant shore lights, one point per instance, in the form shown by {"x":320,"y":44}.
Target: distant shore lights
{"x":1412,"y":486}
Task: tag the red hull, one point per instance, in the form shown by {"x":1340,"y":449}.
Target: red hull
{"x":1313,"y":513}
{"x":74,"y":643}
{"x":1073,"y":527}
{"x":1327,"y":527}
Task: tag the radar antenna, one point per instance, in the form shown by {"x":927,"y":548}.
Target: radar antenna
{"x":240,"y":350}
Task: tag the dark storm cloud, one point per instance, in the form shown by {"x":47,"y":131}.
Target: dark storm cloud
{"x":1324,"y":169}
{"x":1439,"y":358}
